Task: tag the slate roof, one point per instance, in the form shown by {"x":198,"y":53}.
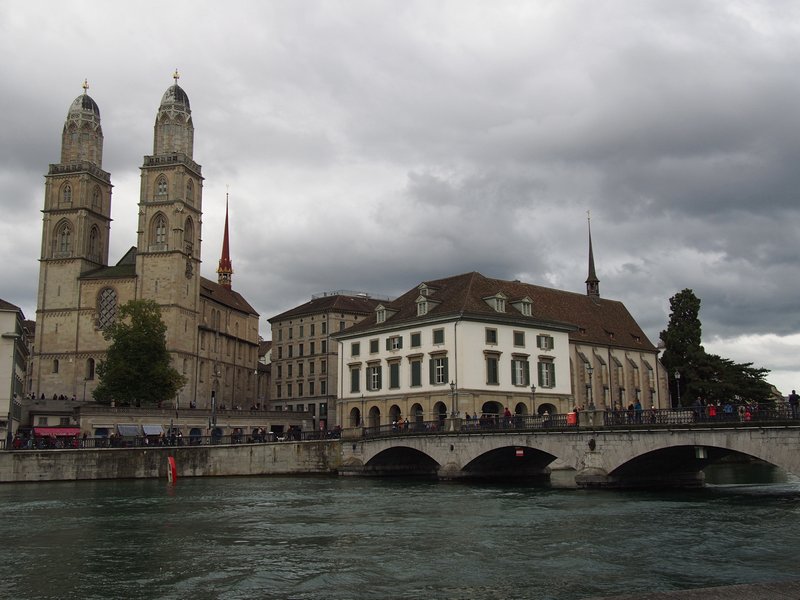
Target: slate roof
{"x":360,"y":305}
{"x":8,"y":306}
{"x":218,"y":293}
{"x":591,"y":320}
{"x":126,"y":268}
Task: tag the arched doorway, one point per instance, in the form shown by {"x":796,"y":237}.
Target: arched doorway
{"x":416,"y":413}
{"x":492,"y":408}
{"x":521,"y":409}
{"x":548,"y":408}
{"x":355,"y":417}
{"x":374,"y":417}
{"x":394,"y":413}
{"x":440,"y":410}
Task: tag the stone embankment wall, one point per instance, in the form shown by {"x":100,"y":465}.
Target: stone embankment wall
{"x":280,"y":458}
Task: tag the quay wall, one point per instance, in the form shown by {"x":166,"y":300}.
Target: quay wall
{"x":279,"y":458}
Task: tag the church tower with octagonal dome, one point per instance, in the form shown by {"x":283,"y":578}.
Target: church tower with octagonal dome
{"x":212,"y":331}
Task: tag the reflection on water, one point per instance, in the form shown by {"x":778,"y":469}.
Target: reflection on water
{"x":343,"y":538}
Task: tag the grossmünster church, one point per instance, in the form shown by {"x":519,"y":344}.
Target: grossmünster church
{"x":212,"y":331}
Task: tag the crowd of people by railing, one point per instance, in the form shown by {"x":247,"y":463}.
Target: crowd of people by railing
{"x":28,"y":439}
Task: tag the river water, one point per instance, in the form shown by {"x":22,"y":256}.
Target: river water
{"x":328,"y":537}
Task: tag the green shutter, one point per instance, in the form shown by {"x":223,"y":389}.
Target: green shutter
{"x":399,"y":341}
{"x":527,"y":369}
{"x":388,"y":343}
{"x":552,"y":374}
{"x":380,"y":377}
{"x":432,"y":369}
{"x":416,"y":373}
{"x":446,"y":375}
{"x":540,"y":368}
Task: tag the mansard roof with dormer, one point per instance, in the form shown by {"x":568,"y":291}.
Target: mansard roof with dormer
{"x":589,"y":320}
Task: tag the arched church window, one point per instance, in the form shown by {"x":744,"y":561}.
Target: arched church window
{"x":190,"y":191}
{"x":63,"y":239}
{"x":66,"y":194}
{"x":94,"y":243}
{"x":90,"y":368}
{"x":159,"y":230}
{"x":96,"y":197}
{"x":161,"y":186}
{"x":106,"y":307}
{"x":188,"y":235}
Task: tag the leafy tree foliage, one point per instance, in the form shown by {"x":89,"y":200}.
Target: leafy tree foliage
{"x":703,"y":375}
{"x":137,"y":369}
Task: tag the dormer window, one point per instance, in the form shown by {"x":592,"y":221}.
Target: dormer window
{"x":380,"y":315}
{"x":422,"y":307}
{"x":424,"y":290}
{"x":497,"y":302}
{"x":524,"y":306}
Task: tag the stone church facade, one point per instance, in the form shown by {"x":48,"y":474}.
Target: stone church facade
{"x":212,"y":331}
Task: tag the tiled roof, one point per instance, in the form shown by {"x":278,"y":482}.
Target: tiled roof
{"x":214,"y":291}
{"x":8,"y":306}
{"x":592,"y":320}
{"x":360,"y":305}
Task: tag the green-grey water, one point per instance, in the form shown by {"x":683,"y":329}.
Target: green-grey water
{"x":343,"y":538}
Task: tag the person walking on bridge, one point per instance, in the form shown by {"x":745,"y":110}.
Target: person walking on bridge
{"x":793,"y":401}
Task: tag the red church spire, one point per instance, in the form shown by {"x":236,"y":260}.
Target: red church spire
{"x":225,"y":269}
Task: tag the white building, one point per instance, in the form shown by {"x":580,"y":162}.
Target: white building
{"x":471,"y":344}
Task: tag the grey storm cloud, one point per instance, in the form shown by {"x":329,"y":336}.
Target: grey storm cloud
{"x":373,"y":145}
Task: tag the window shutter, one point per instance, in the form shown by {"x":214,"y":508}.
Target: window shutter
{"x":399,"y":341}
{"x":446,"y":375}
{"x":514,"y":372}
{"x":380,"y":377}
{"x":552,"y":375}
{"x":540,"y":369}
{"x":527,"y":368}
{"x":432,"y":371}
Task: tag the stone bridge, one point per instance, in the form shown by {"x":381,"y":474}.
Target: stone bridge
{"x":673,"y":457}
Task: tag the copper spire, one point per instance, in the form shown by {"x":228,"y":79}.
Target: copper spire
{"x":592,"y":282}
{"x":225,"y":269}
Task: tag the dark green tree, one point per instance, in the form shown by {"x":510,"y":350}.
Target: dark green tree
{"x":137,"y":369}
{"x":704,"y":375}
{"x":682,"y":348}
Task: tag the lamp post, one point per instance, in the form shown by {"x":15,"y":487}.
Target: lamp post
{"x":9,"y":424}
{"x":590,"y":370}
{"x":533,"y":399}
{"x":452,"y":399}
{"x":678,"y":386}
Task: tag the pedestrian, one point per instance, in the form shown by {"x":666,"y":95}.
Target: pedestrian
{"x":794,"y":399}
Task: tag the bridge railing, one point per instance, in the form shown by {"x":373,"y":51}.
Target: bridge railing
{"x":742,"y":416}
{"x":142,"y":441}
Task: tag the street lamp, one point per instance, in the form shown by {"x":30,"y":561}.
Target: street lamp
{"x":590,"y":370}
{"x":452,"y":400}
{"x":9,"y":424}
{"x":533,"y":399}
{"x":678,"y":386}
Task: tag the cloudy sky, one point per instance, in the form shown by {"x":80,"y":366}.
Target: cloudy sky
{"x":371,"y":145}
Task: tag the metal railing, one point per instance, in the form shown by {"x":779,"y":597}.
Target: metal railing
{"x":153,"y":441}
{"x":700,"y":417}
{"x":645,"y":419}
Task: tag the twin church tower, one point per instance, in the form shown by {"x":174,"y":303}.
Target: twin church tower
{"x":212,"y":331}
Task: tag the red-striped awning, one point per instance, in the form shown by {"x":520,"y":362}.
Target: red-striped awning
{"x":57,"y":431}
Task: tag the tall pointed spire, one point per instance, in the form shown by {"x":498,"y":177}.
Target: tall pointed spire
{"x":592,"y":282}
{"x":225,"y":269}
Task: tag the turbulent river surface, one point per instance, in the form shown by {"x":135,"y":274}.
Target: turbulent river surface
{"x":328,"y":537}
